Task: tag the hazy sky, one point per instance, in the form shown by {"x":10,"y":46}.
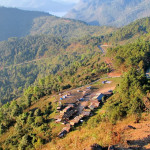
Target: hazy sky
{"x":56,"y":7}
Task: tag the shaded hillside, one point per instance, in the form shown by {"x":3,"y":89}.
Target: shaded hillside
{"x":16,"y":23}
{"x":110,"y":12}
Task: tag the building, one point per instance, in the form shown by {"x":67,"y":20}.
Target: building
{"x":108,"y":93}
{"x":69,"y":107}
{"x":98,"y":96}
{"x":91,"y":106}
{"x":86,"y":112}
{"x":64,"y":131}
{"x":76,"y":120}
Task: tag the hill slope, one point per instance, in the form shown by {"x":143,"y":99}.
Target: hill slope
{"x":15,"y":22}
{"x":54,"y":65}
{"x":19,"y":23}
{"x":110,"y":12}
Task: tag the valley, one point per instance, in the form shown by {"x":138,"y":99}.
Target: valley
{"x":68,"y":85}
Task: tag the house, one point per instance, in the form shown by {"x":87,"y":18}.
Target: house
{"x":81,"y":99}
{"x":100,"y":96}
{"x":59,"y":107}
{"x":89,"y":87}
{"x":108,"y":93}
{"x":62,"y":133}
{"x":79,"y":91}
{"x":69,"y":107}
{"x":106,"y":82}
{"x":72,"y":122}
{"x":86,"y":112}
{"x":69,"y":114}
{"x":64,"y":96}
{"x":95,"y":103}
{"x":76,"y":120}
{"x":91,"y":106}
{"x":58,"y":120}
{"x":67,"y":127}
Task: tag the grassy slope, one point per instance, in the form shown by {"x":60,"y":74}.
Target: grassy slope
{"x":103,"y":132}
{"x":43,"y":102}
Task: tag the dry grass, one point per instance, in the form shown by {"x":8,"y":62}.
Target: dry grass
{"x":106,"y":134}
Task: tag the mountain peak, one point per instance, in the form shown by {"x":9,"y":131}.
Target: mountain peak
{"x":110,"y":12}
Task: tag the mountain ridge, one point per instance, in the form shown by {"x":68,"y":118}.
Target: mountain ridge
{"x":110,"y":13}
{"x":20,"y":23}
{"x":16,"y":22}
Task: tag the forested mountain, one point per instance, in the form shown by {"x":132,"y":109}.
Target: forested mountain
{"x":35,"y":68}
{"x":66,"y":28}
{"x":20,"y":23}
{"x":25,"y":60}
{"x":16,"y":23}
{"x":110,"y":12}
{"x":131,"y":32}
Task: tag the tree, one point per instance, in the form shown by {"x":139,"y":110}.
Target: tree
{"x":2,"y":129}
{"x":18,"y":129}
{"x":23,"y":143}
{"x":39,"y":120}
{"x":37,"y":112}
{"x":16,"y":111}
{"x":128,"y":99}
{"x":38,"y":144}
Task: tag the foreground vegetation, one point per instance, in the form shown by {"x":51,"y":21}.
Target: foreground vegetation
{"x":35,"y":67}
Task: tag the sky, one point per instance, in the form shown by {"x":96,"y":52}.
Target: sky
{"x":55,"y":7}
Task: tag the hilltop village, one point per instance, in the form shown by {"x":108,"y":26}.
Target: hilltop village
{"x":74,"y":107}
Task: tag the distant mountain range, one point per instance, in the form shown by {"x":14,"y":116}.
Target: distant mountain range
{"x":110,"y":12}
{"x":19,"y":23}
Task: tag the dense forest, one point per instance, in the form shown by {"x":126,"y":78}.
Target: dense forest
{"x":135,"y":55}
{"x":130,"y":32}
{"x":25,"y":60}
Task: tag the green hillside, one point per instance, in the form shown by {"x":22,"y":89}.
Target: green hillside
{"x":131,"y":32}
{"x":21,"y":59}
{"x":26,"y":59}
{"x":66,"y":28}
{"x":20,"y":23}
{"x":32,"y":115}
{"x":36,"y":69}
